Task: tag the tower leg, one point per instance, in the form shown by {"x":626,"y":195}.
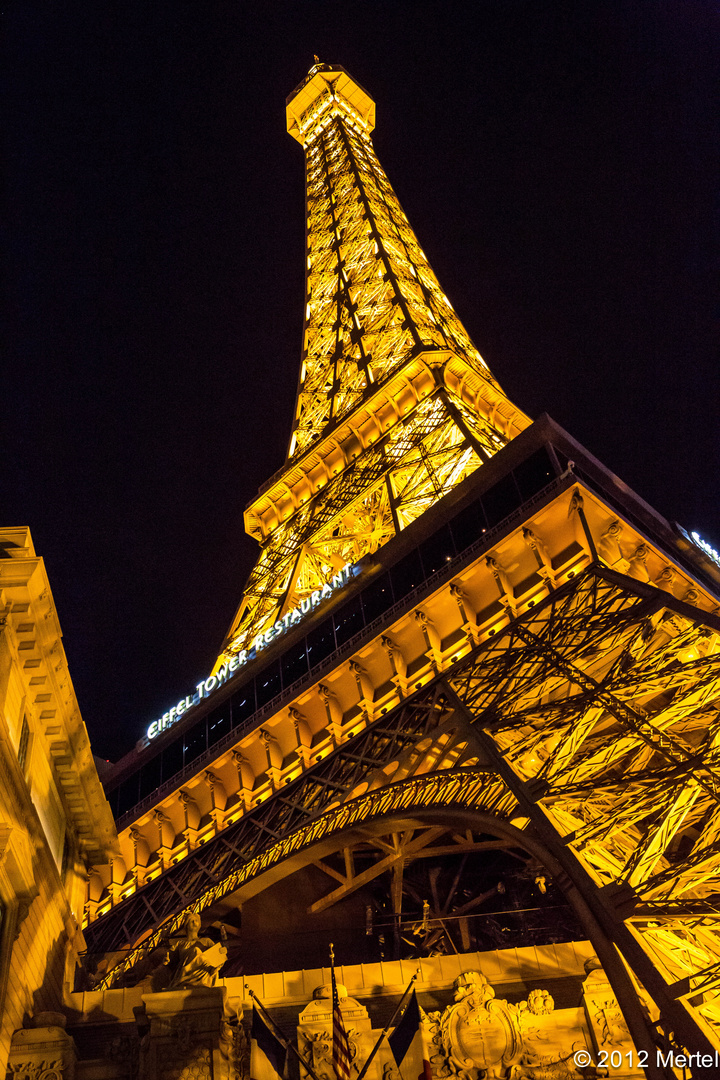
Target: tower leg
{"x":607,"y":932}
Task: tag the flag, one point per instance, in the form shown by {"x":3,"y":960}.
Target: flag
{"x":267,"y":1053}
{"x":408,"y":1045}
{"x":341,"y":1043}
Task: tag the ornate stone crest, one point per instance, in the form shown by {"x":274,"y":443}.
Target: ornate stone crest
{"x":476,"y":1036}
{"x":481,"y":1036}
{"x":36,"y":1070}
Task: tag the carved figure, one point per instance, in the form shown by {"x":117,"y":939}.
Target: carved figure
{"x":319,"y":1045}
{"x":192,"y":960}
{"x":235,"y":1047}
{"x":473,"y":988}
{"x":44,"y":1070}
{"x":611,"y":1023}
{"x":539,"y":1002}
{"x":562,"y":1069}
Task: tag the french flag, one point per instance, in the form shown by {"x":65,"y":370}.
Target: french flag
{"x":267,"y":1053}
{"x":408,"y":1044}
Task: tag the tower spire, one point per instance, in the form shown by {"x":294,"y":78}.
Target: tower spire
{"x":372,"y":299}
{"x":395,"y":406}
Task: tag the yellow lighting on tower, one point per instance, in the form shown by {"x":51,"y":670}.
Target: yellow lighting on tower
{"x":395,"y":406}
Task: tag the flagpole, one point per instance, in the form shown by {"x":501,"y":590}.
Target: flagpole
{"x":340,"y":1041}
{"x":279,"y":1035}
{"x":387,"y":1027}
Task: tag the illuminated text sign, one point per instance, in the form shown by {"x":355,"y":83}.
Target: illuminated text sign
{"x":208,"y":686}
{"x":703,"y":544}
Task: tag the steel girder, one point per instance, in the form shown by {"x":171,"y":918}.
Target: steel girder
{"x":371,"y":295}
{"x":615,"y":765}
{"x":420,"y":722}
{"x":373,"y":305}
{"x":393,"y":481}
{"x":594,"y":717}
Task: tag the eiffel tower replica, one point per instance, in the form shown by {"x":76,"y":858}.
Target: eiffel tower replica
{"x":464,"y":639}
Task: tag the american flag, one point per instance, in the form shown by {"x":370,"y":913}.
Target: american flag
{"x":341,"y":1043}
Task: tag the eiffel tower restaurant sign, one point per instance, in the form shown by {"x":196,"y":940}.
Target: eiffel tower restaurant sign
{"x":213,"y":682}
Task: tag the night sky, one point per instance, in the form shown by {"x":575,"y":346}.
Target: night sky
{"x":557,"y":160}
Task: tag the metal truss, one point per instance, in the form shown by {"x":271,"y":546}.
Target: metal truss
{"x":391,"y":850}
{"x":390,"y":485}
{"x":591,"y":722}
{"x":594,"y":718}
{"x":412,"y":737}
{"x":373,"y":304}
{"x":600,"y":712}
{"x":372,"y":297}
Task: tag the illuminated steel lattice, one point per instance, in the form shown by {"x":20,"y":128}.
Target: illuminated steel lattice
{"x":375,"y":318}
{"x":372,"y":297}
{"x":595,"y":719}
{"x":589,"y":726}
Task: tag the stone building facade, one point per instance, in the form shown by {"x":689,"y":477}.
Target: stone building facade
{"x":465,"y":643}
{"x":54,"y":818}
{"x":525,"y":1014}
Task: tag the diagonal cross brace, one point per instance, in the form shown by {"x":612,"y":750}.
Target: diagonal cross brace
{"x":608,"y":933}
